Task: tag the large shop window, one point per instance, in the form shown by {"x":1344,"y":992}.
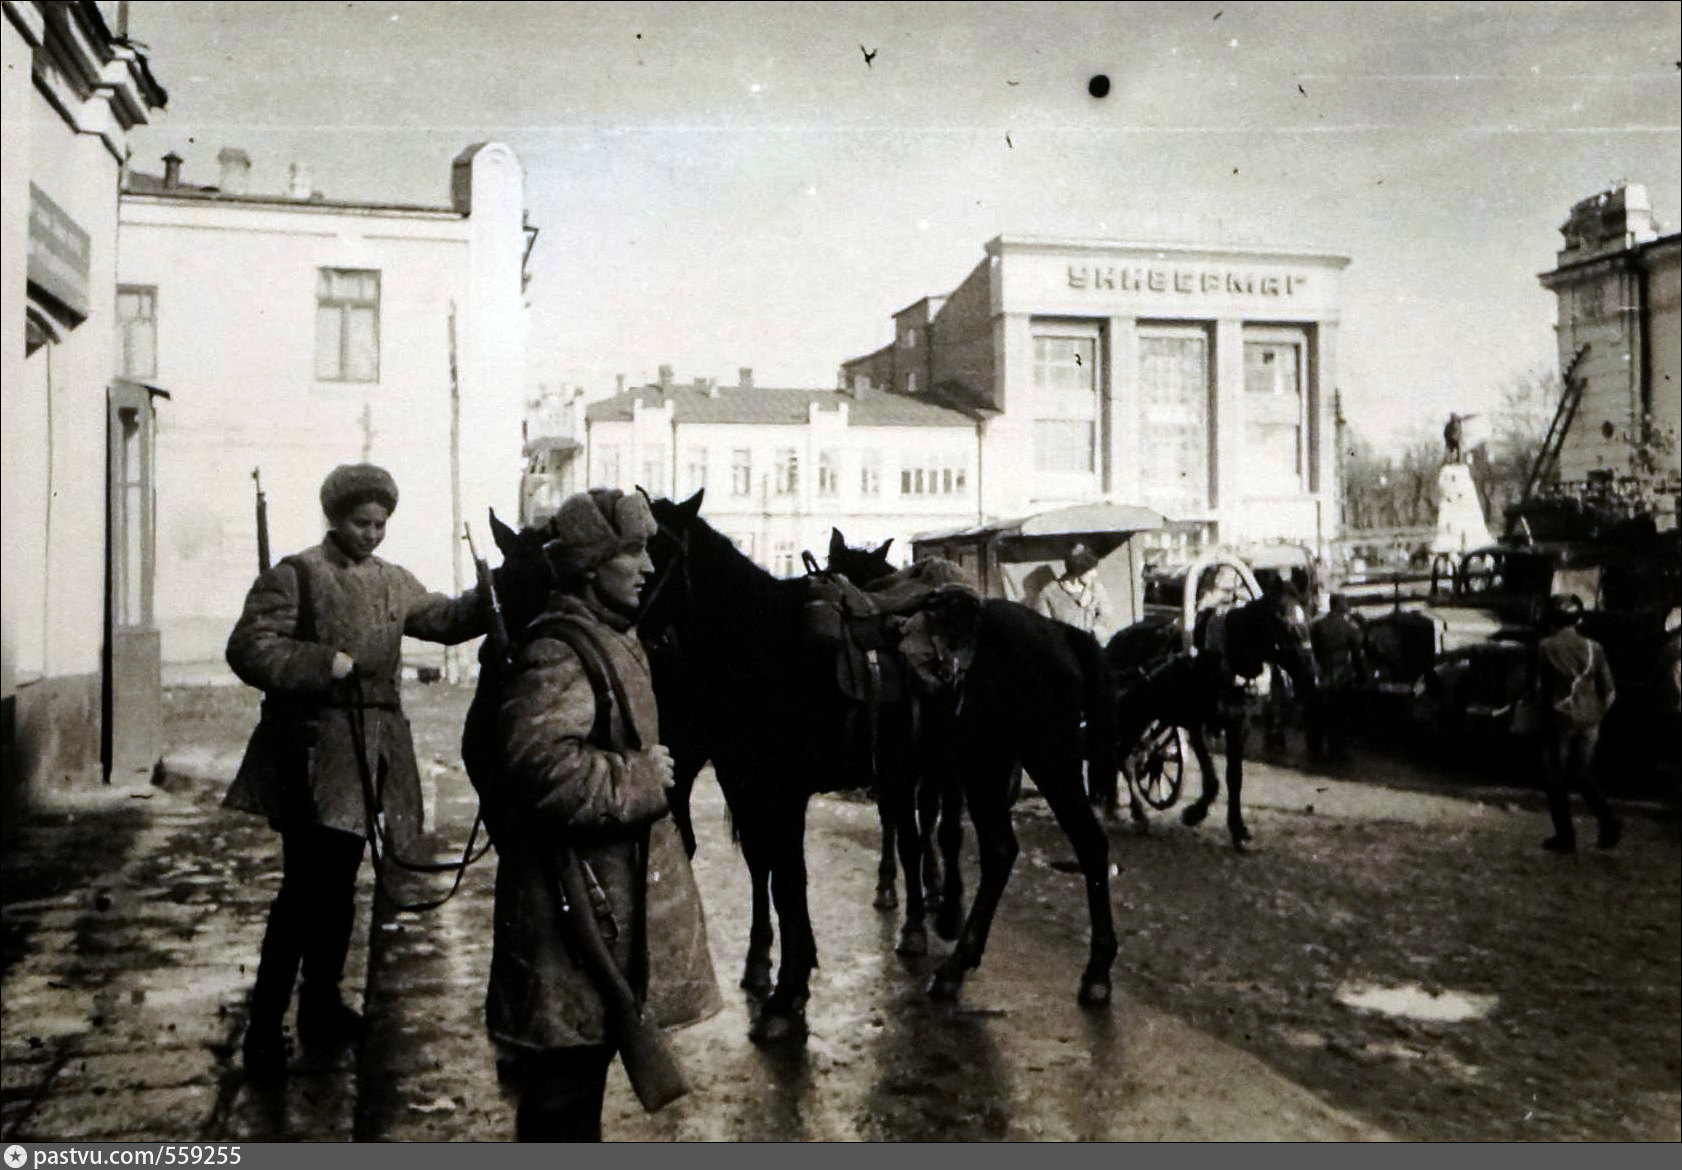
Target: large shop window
{"x":1174,"y":421}
{"x":1066,"y":404}
{"x":137,"y":331}
{"x":347,"y":325}
{"x":1274,"y":415}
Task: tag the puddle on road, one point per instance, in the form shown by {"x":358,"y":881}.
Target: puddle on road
{"x":1413,"y":1002}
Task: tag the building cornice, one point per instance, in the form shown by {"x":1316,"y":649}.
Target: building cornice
{"x":1630,"y":257}
{"x":186,"y":199}
{"x":999,"y":245}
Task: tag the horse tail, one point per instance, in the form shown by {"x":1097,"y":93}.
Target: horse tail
{"x":1098,"y":699}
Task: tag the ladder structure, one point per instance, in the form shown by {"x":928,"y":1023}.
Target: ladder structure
{"x":1547,"y":458}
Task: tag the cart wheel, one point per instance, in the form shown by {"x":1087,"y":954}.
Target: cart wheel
{"x":1158,"y":765}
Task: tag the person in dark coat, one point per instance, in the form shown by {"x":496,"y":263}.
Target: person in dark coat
{"x":322,"y":631}
{"x":1340,"y":651}
{"x":1574,"y":691}
{"x":606,"y":802}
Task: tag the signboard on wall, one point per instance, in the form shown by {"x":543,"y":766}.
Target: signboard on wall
{"x":58,"y":256}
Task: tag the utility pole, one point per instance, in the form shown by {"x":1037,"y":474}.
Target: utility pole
{"x":452,"y":656}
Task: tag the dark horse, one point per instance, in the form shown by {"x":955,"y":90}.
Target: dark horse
{"x":738,"y":685}
{"x":1204,"y":689}
{"x":1023,"y":701}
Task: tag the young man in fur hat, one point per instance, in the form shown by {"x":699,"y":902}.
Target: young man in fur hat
{"x":321,"y":634}
{"x":600,"y":791}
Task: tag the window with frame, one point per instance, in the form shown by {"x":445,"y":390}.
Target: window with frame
{"x":741,"y":472}
{"x":782,"y":559}
{"x":654,"y":463}
{"x":870,"y":473}
{"x":347,"y":325}
{"x":607,"y":467}
{"x":695,"y":470}
{"x":1066,"y":403}
{"x":829,"y":473}
{"x":1274,"y":416}
{"x":137,"y":330}
{"x":788,"y":472}
{"x":1174,"y":420}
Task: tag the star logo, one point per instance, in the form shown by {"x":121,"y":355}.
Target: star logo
{"x":16,"y":1156}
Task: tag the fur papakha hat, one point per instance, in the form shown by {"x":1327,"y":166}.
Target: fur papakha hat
{"x":352,"y":484}
{"x":593,"y":526}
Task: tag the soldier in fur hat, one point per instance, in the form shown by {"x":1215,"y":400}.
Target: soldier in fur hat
{"x":321,"y":634}
{"x":600,"y":789}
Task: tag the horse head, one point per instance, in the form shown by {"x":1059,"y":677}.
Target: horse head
{"x":524,"y":579}
{"x":861,"y":566}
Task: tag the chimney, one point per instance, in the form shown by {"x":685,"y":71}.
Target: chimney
{"x":298,"y":182}
{"x":619,"y":383}
{"x":236,"y":170}
{"x":702,"y":384}
{"x":172,"y":171}
{"x":665,"y":376}
{"x":744,"y":377}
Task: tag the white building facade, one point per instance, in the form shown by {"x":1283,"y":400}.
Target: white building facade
{"x":296,"y":333}
{"x":781,"y":467}
{"x":1195,"y":381}
{"x":73,"y":86}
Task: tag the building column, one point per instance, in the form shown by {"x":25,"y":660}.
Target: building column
{"x":1322,"y":435}
{"x":1121,"y":396}
{"x":1009,"y":448}
{"x":1227,"y":489}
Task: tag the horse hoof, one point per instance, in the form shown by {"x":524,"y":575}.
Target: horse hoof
{"x":1241,"y":837}
{"x":778,"y":1028}
{"x":948,"y":926}
{"x":1094,"y":993}
{"x":913,"y":943}
{"x":945,"y":987}
{"x":886,"y":898}
{"x":1194,"y":814}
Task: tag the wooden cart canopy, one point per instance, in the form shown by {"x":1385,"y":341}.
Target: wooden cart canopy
{"x":1076,"y":520}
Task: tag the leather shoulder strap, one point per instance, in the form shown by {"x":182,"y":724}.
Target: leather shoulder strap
{"x":598,"y":668}
{"x":305,"y":630}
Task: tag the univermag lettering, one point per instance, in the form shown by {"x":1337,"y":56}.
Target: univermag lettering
{"x":1186,"y":281}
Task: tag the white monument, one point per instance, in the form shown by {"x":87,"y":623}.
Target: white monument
{"x":1460,"y":522}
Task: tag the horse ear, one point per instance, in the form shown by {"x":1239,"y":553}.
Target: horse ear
{"x":691,"y":507}
{"x":882,"y":551}
{"x":837,"y":544}
{"x":500,"y":532}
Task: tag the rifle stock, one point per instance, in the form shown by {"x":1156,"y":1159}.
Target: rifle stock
{"x":496,"y":628}
{"x":653,"y":1071}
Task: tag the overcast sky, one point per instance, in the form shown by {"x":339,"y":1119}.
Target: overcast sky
{"x":723,"y":186}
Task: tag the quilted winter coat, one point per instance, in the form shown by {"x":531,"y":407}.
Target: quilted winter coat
{"x":555,"y":785}
{"x":300,"y":765}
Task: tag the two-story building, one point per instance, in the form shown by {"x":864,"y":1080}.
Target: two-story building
{"x":296,"y":332}
{"x":1196,"y":381}
{"x":782,"y":466}
{"x":78,"y":703}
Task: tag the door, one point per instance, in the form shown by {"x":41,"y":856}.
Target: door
{"x":133,"y":699}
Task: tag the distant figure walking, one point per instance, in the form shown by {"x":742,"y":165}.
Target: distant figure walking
{"x":1453,"y":436}
{"x":1078,"y":597}
{"x":1340,"y":649}
{"x":1574,"y":690}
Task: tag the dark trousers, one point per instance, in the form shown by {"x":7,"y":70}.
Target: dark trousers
{"x":310,"y":920}
{"x":1567,"y":763}
{"x":561,"y":1093}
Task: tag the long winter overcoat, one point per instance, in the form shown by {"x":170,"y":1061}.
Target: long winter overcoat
{"x":556,"y":786}
{"x":300,"y":766}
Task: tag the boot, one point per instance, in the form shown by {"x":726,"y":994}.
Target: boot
{"x":325,"y":1020}
{"x":265,"y":1050}
{"x":1611,"y":832}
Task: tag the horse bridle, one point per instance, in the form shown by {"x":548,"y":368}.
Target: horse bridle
{"x":680,"y":563}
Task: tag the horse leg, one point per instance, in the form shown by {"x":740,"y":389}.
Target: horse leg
{"x":928,"y":817}
{"x":756,"y":970}
{"x":950,"y":920}
{"x":1063,"y":791}
{"x":1235,"y":735}
{"x":782,"y":1017}
{"x":1199,"y":808}
{"x":887,"y":897}
{"x":996,"y":843}
{"x":913,"y":935}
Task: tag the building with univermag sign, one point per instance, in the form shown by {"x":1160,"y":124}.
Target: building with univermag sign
{"x":297,"y":331}
{"x":78,"y":671}
{"x":1196,"y":381}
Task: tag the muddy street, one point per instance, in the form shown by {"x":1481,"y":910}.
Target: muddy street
{"x":1382,"y":964}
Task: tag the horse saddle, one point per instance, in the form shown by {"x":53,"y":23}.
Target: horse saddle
{"x":865,"y":638}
